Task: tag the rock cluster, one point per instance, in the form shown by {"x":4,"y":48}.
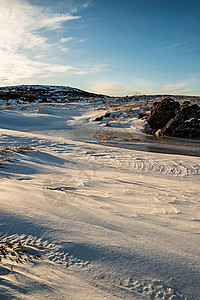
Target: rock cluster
{"x":169,"y":118}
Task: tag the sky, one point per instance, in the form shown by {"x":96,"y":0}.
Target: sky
{"x":113,"y":47}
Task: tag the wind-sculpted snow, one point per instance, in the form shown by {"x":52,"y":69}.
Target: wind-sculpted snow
{"x":82,"y":220}
{"x":21,"y":248}
{"x":18,"y":252}
{"x":183,"y":167}
{"x":176,"y":167}
{"x":154,"y":289}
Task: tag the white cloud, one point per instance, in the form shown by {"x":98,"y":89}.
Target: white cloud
{"x":78,"y":4}
{"x":16,"y":67}
{"x":22,"y":47}
{"x":189,"y":45}
{"x":176,"y":88}
{"x":140,"y":87}
{"x":54,"y":22}
{"x":178,"y":44}
{"x":85,"y":5}
{"x":92,"y":69}
{"x":66,"y":39}
{"x":20,"y":23}
{"x":64,"y":49}
{"x":120,"y":89}
{"x":69,"y":39}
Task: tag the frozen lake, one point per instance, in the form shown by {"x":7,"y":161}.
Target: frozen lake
{"x":123,"y":139}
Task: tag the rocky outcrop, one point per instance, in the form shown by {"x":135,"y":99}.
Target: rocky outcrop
{"x":106,"y":115}
{"x":162,"y":112}
{"x":185,"y":124}
{"x":168,"y":118}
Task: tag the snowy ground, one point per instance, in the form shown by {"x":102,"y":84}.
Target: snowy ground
{"x":85,"y":221}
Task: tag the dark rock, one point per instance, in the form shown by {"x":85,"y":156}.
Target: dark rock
{"x":185,"y":124}
{"x":162,"y":112}
{"x":169,"y":118}
{"x":107,"y":115}
{"x":142,"y":115}
{"x":155,"y":103}
{"x":99,"y":118}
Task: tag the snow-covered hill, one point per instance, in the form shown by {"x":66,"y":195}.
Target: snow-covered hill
{"x":39,"y":93}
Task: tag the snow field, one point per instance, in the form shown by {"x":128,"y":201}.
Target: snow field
{"x":113,"y":223}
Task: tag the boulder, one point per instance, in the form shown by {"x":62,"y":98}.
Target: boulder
{"x":185,"y":124}
{"x":162,"y":112}
{"x":168,"y":118}
{"x":98,"y":118}
{"x":107,"y":115}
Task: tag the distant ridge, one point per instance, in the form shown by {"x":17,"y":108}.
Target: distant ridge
{"x":22,"y":94}
{"x":42,"y":93}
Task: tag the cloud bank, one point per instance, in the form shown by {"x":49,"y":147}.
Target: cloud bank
{"x":113,"y":88}
{"x":176,"y":88}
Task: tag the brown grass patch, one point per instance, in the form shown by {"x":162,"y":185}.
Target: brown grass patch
{"x":17,"y":149}
{"x":6,"y":152}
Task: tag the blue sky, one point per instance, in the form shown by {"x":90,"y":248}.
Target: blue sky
{"x":110,"y":47}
